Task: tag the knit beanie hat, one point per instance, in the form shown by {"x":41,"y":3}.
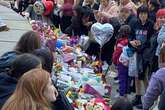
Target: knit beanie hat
{"x":160,"y":12}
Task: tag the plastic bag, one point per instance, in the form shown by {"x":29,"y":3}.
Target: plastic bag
{"x":132,"y":66}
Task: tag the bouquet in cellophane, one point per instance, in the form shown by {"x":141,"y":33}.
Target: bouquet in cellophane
{"x":48,"y":34}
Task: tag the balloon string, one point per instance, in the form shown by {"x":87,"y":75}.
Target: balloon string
{"x":100,"y":60}
{"x":100,"y":67}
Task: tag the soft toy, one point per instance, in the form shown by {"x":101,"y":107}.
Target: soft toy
{"x":49,"y":5}
{"x":43,"y":7}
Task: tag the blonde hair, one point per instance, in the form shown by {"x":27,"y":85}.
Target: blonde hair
{"x":29,"y":93}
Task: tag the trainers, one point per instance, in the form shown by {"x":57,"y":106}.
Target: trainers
{"x":116,"y":81}
{"x":112,"y":74}
{"x":137,"y":100}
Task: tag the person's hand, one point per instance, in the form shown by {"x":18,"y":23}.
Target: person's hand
{"x":97,"y":13}
{"x":135,"y":43}
{"x":114,"y":48}
{"x":138,"y":42}
{"x":56,"y":92}
{"x":25,"y":14}
{"x":88,"y":24}
{"x":100,"y":13}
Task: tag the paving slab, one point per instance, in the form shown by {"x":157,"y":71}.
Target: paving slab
{"x":17,"y":24}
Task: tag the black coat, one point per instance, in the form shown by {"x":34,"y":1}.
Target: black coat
{"x":161,"y":105}
{"x":142,"y":33}
{"x":76,"y":28}
{"x":152,"y":15}
{"x":7,"y":87}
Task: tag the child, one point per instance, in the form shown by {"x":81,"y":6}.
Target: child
{"x":122,"y":41}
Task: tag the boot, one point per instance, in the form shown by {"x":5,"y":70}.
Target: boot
{"x":140,"y":106}
{"x":137,"y":100}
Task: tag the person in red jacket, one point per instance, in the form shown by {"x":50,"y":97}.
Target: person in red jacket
{"x":122,"y":41}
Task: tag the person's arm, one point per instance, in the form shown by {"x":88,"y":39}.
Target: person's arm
{"x":131,"y":38}
{"x":113,"y":12}
{"x":133,"y":43}
{"x":152,"y":93}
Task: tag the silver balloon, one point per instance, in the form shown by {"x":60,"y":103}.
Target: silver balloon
{"x":102,"y":32}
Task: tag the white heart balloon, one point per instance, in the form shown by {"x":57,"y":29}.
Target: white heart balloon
{"x":102,"y":32}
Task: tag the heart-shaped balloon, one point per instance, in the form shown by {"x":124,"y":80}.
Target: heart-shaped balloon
{"x":102,"y":32}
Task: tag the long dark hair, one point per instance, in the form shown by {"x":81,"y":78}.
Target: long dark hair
{"x":28,"y":42}
{"x":46,"y":58}
{"x":142,"y":9}
{"x":124,"y":31}
{"x":22,"y":64}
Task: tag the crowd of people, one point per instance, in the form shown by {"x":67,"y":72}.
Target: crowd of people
{"x":137,"y":49}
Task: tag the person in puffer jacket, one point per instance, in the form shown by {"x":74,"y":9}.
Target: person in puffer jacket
{"x":157,"y":83}
{"x":160,"y":39}
{"x":122,"y":41}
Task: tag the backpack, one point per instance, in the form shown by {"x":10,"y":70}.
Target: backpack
{"x":118,"y":51}
{"x":6,"y":61}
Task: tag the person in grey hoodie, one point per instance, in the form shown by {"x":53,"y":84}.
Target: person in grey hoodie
{"x":157,"y":82}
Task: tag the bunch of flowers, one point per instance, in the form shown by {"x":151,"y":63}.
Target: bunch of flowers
{"x":98,"y":104}
{"x":97,"y":65}
{"x":57,"y":68}
{"x":48,"y":34}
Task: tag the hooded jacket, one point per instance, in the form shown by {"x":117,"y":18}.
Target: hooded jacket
{"x":142,"y":33}
{"x":7,"y":87}
{"x":155,"y":88}
{"x":121,"y":42}
{"x":160,"y":39}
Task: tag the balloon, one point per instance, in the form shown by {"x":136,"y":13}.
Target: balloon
{"x":102,"y":32}
{"x":49,"y":5}
{"x":59,"y":44}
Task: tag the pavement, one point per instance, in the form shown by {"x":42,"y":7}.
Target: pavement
{"x":17,"y":26}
